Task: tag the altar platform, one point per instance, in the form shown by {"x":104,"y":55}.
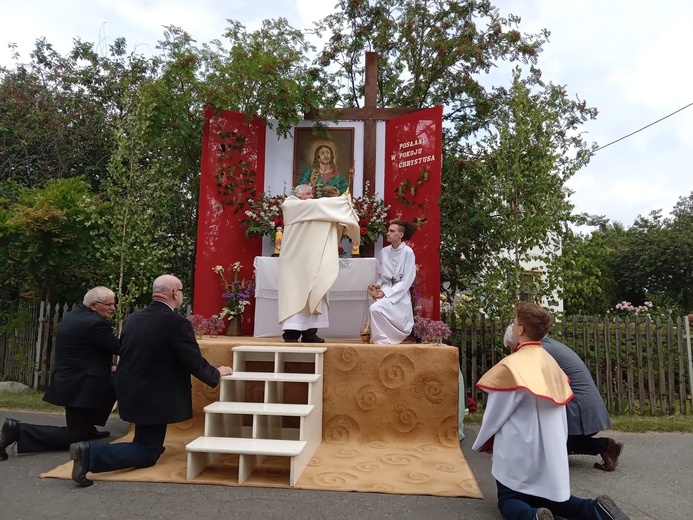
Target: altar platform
{"x":348,"y":298}
{"x":389,"y":424}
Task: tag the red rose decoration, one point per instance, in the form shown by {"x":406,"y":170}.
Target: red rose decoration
{"x":363,"y":230}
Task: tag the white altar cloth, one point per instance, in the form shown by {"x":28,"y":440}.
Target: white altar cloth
{"x":347,"y":297}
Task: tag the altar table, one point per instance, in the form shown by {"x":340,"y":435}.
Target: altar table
{"x":348,"y":297}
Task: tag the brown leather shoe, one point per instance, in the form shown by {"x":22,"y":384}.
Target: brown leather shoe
{"x":610,"y":456}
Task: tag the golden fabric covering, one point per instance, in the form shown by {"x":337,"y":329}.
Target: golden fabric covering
{"x":532,"y":368}
{"x":389,"y":426}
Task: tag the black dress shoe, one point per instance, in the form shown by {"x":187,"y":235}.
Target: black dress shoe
{"x":8,"y":435}
{"x":311,"y":336}
{"x":79,"y":453}
{"x":291,"y":336}
{"x":608,"y":510}
{"x":99,"y":435}
{"x":313,"y":339}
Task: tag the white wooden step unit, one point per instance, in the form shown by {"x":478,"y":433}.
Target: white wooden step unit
{"x":279,"y":355}
{"x":203,"y":451}
{"x":225,"y":432}
{"x":233,"y":386}
{"x":225,"y":419}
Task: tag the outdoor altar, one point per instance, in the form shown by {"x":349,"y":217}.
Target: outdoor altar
{"x":348,"y":297}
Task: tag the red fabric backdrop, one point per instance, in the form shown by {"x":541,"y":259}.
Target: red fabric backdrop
{"x":413,"y":166}
{"x":413,"y":163}
{"x":220,"y":238}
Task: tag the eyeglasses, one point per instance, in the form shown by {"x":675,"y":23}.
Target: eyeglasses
{"x":179,"y":290}
{"x":107,"y":304}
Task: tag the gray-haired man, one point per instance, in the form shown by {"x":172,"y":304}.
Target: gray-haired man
{"x":80,"y":380}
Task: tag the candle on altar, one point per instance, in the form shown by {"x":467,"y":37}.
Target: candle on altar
{"x":278,"y":241}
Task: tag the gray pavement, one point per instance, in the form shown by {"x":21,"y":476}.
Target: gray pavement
{"x":653,"y":481}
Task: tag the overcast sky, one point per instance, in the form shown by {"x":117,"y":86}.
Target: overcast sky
{"x":632,"y":60}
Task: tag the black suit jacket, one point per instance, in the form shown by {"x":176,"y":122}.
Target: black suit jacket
{"x":159,"y":354}
{"x":84,"y":350}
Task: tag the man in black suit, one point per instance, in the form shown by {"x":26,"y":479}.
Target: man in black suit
{"x":159,"y":354}
{"x":80,"y":381}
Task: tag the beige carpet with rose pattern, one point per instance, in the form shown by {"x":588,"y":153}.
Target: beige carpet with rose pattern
{"x":389,"y":426}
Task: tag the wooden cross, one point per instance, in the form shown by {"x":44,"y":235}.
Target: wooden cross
{"x":369,"y":114}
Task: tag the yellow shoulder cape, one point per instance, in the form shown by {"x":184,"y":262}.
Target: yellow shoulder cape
{"x":532,"y":368}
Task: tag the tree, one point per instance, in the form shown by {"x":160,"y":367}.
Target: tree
{"x":46,"y":237}
{"x":53,"y":117}
{"x":656,"y":262}
{"x":588,"y":283}
{"x":265,"y":73}
{"x":431,"y":52}
{"x":505,"y":204}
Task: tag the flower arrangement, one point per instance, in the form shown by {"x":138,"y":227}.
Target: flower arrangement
{"x":264,"y":215}
{"x":215,"y":325}
{"x":372,"y":213}
{"x":200,"y":324}
{"x":236,"y":293}
{"x":427,"y":330}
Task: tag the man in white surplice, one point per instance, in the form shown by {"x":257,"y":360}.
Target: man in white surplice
{"x":309,"y":259}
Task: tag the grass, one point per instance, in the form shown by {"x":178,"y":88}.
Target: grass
{"x":28,"y":402}
{"x":32,"y":402}
{"x":630,"y":423}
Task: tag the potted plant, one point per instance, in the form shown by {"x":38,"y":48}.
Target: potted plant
{"x":199,"y":323}
{"x":216,"y":325}
{"x":430,"y":331}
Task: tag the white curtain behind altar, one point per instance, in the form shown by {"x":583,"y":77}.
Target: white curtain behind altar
{"x":347,"y":297}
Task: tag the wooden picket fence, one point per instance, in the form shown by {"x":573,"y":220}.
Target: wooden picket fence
{"x":640,"y":365}
{"x":27,"y":345}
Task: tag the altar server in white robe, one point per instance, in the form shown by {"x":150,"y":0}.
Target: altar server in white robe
{"x":309,"y":259}
{"x":525,"y":428}
{"x":391,"y":315}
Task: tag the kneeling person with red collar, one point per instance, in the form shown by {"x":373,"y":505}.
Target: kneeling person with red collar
{"x":525,"y":428}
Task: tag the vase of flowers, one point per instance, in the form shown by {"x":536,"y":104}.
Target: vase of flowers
{"x":215,"y":325}
{"x":236,"y":295}
{"x":430,"y":331}
{"x":200,"y":324}
{"x":233,"y":328}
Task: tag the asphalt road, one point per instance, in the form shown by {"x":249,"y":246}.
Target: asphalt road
{"x":653,"y":481}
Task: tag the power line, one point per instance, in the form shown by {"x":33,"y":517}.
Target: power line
{"x":643,"y":128}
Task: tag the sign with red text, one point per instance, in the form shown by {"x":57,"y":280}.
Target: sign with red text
{"x":413,"y":170}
